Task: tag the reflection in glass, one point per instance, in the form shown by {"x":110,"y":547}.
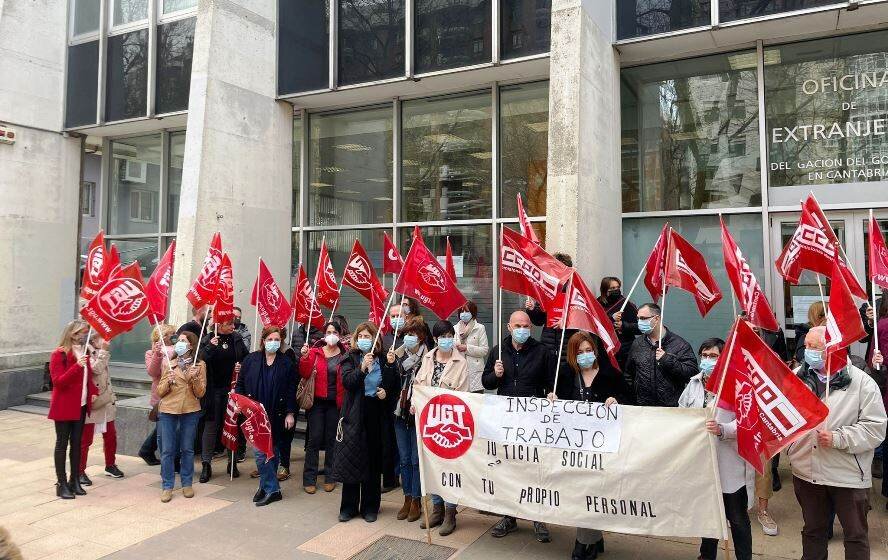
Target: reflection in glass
{"x":690,"y":136}
{"x":451,"y":34}
{"x":127,"y":81}
{"x":826,"y":104}
{"x":135,"y":185}
{"x":447,"y":158}
{"x":730,"y":10}
{"x":86,"y":16}
{"x":350,"y":159}
{"x":129,"y":11}
{"x":681,"y":314}
{"x":175,"y":43}
{"x":297,"y":169}
{"x":176,"y":160}
{"x":525,"y":27}
{"x":176,"y":5}
{"x":130,"y":347}
{"x":303,"y":46}
{"x":524,"y":146}
{"x":82,"y":86}
{"x":637,"y":18}
{"x":371,"y":40}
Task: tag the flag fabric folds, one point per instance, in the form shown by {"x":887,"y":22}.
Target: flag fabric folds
{"x":256,"y":427}
{"x":586,"y":313}
{"x":527,"y":269}
{"x":655,"y":267}
{"x":203,"y":290}
{"x":391,"y":261}
{"x":327,"y":288}
{"x":844,"y":326}
{"x":95,"y":269}
{"x":304,"y":302}
{"x":448,"y":261}
{"x":686,"y":269}
{"x":878,"y":255}
{"x":119,"y":304}
{"x":426,"y":280}
{"x":223,"y":296}
{"x":747,"y":289}
{"x":270,"y":302}
{"x":158,"y":287}
{"x":360,"y":275}
{"x":524,"y":223}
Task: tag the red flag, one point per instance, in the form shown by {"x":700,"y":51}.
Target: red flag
{"x":425,"y":279}
{"x":448,"y":261}
{"x":158,"y":287}
{"x":655,"y":267}
{"x":773,"y":406}
{"x":256,"y":427}
{"x":270,"y":302}
{"x":527,"y":269}
{"x":202,"y":292}
{"x":686,"y":269}
{"x":327,"y":289}
{"x":119,"y":304}
{"x":750,"y":295}
{"x":585,"y":313}
{"x":814,"y":246}
{"x":377,"y":310}
{"x":229,"y":428}
{"x":223,"y":310}
{"x":95,"y":269}
{"x":304,"y":301}
{"x":360,"y":275}
{"x":392,"y":263}
{"x":524,"y":223}
{"x":878,"y":254}
{"x":843,"y":324}
{"x":114,"y":262}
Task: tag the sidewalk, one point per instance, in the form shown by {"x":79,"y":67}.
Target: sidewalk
{"x":124,"y":519}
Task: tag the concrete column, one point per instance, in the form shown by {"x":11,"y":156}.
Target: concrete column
{"x":583,"y":206}
{"x":237,"y":168}
{"x":39,"y":182}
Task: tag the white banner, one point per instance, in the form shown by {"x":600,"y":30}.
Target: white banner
{"x":628,"y":469}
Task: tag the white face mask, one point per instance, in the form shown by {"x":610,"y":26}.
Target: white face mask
{"x":332,"y":339}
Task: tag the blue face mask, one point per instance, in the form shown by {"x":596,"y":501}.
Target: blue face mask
{"x":445,"y":344}
{"x":410,"y":341}
{"x":365,"y":344}
{"x":181,"y":347}
{"x":465,"y":317}
{"x":586,"y":360}
{"x":272,"y":346}
{"x":520,"y":334}
{"x":814,"y":358}
{"x":405,"y":309}
{"x":707,"y":365}
{"x":396,"y":322}
{"x":644,"y":325}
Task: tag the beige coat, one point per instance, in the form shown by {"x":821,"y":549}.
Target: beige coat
{"x":477,"y":348}
{"x":454,"y":377}
{"x":184,"y":395}
{"x":104,"y":407}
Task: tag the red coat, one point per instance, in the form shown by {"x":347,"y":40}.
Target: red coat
{"x":316,"y":359}
{"x":67,"y":385}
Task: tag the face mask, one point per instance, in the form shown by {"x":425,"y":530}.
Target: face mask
{"x":520,"y":334}
{"x":613,"y":296}
{"x":396,"y":322}
{"x":237,"y":323}
{"x":814,"y":358}
{"x":181,"y":347}
{"x":707,"y":365}
{"x":586,"y":360}
{"x":332,"y":339}
{"x":365,"y":344}
{"x":644,"y":325}
{"x":465,"y":317}
{"x":272,"y":346}
{"x":405,"y":309}
{"x":410,"y":341}
{"x":445,"y":344}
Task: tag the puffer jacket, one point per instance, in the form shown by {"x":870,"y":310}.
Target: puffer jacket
{"x":857,"y":422}
{"x":474,"y":336}
{"x":659,"y":383}
{"x":104,"y":406}
{"x":529,"y":372}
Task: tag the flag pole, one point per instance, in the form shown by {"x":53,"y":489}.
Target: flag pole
{"x":873,"y":290}
{"x":256,"y":333}
{"x":384,"y":315}
{"x":564,"y":312}
{"x":162,"y":342}
{"x":499,"y":301}
{"x":631,"y":290}
{"x":733,"y":303}
{"x":338,"y":296}
{"x":425,"y":496}
{"x":828,"y":355}
{"x":662,"y":314}
{"x":203,"y":327}
{"x":314,"y":299}
{"x":724,"y":371}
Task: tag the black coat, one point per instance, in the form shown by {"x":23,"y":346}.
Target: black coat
{"x":529,"y":372}
{"x":550,"y":337}
{"x":283,"y":387}
{"x":660,"y":383}
{"x":629,"y":328}
{"x":351,"y":465}
{"x":220,"y":362}
{"x":608,"y":383}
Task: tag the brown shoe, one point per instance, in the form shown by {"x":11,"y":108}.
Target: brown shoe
{"x":188,"y":491}
{"x":405,"y":509}
{"x":449,"y":523}
{"x":283,"y":474}
{"x":415,"y":510}
{"x":254,"y":474}
{"x":329,"y":486}
{"x":166,"y":496}
{"x":436,"y":517}
{"x":311,"y":489}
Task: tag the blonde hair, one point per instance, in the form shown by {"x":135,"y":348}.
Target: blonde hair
{"x":816,"y":314}
{"x":69,"y":331}
{"x":163,"y":328}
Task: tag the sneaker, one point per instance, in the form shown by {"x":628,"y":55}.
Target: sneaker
{"x":240,"y":457}
{"x":113,"y":471}
{"x":188,"y":491}
{"x":541,"y":531}
{"x":84,"y":480}
{"x":769,"y":526}
{"x":166,"y":496}
{"x":505,"y":526}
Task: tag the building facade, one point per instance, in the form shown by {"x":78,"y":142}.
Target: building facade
{"x":285,"y":123}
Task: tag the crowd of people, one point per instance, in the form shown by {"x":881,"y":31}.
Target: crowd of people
{"x":356,"y":389}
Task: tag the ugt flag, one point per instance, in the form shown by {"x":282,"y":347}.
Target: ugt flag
{"x":425,"y":279}
{"x":360,"y":275}
{"x":120,"y":303}
{"x":202,"y":291}
{"x":391,"y":261}
{"x":304,"y":303}
{"x":158,"y":287}
{"x":527,"y":269}
{"x":270,"y":302}
{"x":223,"y":309}
{"x":750,"y":295}
{"x":256,"y":427}
{"x":326,"y":287}
{"x":95,"y":270}
{"x":686,"y":269}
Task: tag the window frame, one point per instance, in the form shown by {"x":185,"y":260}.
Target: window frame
{"x":88,"y":195}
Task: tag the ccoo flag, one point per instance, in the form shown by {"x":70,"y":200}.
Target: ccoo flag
{"x":750,"y":295}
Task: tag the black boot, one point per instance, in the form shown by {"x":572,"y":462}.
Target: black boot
{"x":206,"y":472}
{"x":63,"y":491}
{"x":584,"y":551}
{"x":228,"y":470}
{"x":74,"y":484}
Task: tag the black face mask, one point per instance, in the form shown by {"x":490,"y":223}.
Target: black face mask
{"x":614,"y":296}
{"x":237,"y":323}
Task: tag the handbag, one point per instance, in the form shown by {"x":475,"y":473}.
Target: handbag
{"x":152,"y":414}
{"x":305,"y":391}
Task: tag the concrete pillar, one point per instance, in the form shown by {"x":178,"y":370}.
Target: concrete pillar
{"x":39,"y":182}
{"x":237,"y":168}
{"x":583,"y":207}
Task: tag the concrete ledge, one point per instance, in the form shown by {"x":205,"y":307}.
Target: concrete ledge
{"x":16,"y":384}
{"x":23,"y":360}
{"x":132,"y":425}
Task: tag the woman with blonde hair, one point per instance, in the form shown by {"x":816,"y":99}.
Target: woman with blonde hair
{"x":104,"y":410}
{"x":161,"y":351}
{"x":816,"y":318}
{"x":72,"y":394}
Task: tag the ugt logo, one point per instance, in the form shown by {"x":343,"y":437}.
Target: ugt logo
{"x":123,"y":300}
{"x":447,"y":426}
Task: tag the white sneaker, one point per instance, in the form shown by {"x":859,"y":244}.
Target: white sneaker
{"x":769,"y":526}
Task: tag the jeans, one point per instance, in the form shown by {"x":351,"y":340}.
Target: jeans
{"x":177,"y":436}
{"x":68,"y":435}
{"x":741,"y":532}
{"x":323,"y":417}
{"x":267,"y":472}
{"x":818,"y":502}
{"x":216,"y":402}
{"x":109,"y":444}
{"x":405,"y":433}
{"x":151,"y":444}
{"x":438,"y":500}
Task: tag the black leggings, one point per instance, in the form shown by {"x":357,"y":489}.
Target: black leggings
{"x":68,"y":434}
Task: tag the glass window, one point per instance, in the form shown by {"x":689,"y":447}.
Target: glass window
{"x":126,"y":89}
{"x":350,"y":158}
{"x":524,"y":147}
{"x":446,"y":166}
{"x":690,"y":136}
{"x":681,"y":314}
{"x":451,"y":34}
{"x":297,"y":169}
{"x":637,"y":18}
{"x":826,"y":108}
{"x":130,"y":11}
{"x":525,"y":27}
{"x":82,"y":87}
{"x":174,"y":181}
{"x":303,"y":46}
{"x":730,"y":10}
{"x":135,"y":185}
{"x":130,"y":347}
{"x":371,"y":40}
{"x":175,"y":43}
{"x":86,"y":16}
{"x":170,"y":6}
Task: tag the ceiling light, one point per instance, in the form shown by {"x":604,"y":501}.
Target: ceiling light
{"x":379,"y":180}
{"x":332,"y":169}
{"x":383,"y":198}
{"x":319,"y":184}
{"x":445,"y":139}
{"x":353,"y":147}
{"x":482,"y":155}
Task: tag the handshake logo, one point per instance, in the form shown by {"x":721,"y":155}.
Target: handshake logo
{"x":447,"y":426}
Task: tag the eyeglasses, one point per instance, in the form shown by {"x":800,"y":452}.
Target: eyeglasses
{"x":709,"y":355}
{"x":640,"y":318}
